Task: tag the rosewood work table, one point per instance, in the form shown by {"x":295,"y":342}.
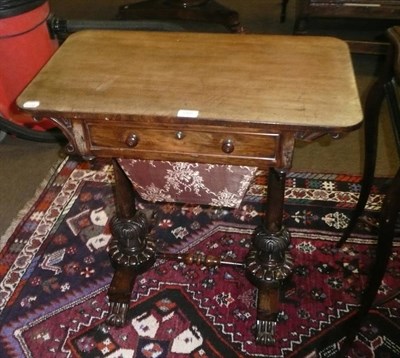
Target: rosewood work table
{"x":226,"y":99}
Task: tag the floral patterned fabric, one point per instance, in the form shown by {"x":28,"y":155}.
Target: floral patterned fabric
{"x":192,"y":183}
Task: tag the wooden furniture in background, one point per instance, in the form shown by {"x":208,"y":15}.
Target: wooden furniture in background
{"x":384,"y":11}
{"x":206,"y":11}
{"x":180,"y":97}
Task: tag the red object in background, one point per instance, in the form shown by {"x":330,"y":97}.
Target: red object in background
{"x":25,"y":46}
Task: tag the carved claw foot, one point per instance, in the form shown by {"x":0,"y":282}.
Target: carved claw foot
{"x":117,"y":314}
{"x":265,"y":334}
{"x":131,"y":253}
{"x":267,"y":265}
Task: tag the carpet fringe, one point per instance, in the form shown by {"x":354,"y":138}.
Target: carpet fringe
{"x":28,"y":205}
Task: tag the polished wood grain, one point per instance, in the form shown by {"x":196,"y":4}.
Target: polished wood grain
{"x":193,"y":143}
{"x":149,"y":76}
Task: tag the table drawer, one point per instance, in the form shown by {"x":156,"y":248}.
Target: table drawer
{"x":174,"y":143}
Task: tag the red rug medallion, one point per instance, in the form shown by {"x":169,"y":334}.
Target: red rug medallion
{"x":55,"y":273}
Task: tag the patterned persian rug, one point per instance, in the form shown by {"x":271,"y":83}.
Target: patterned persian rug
{"x":55,"y":273}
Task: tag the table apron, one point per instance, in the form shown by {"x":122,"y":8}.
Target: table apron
{"x":231,"y":145}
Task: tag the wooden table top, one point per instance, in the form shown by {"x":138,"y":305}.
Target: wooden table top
{"x":260,"y":79}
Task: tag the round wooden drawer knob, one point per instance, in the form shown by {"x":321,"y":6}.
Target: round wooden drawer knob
{"x":179,"y":135}
{"x":132,"y":140}
{"x":228,"y":146}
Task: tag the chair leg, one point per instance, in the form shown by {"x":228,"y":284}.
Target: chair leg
{"x":371,"y":123}
{"x":387,"y":222}
{"x":371,"y":139}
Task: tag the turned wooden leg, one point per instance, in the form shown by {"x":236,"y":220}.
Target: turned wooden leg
{"x":268,"y":263}
{"x":131,"y":252}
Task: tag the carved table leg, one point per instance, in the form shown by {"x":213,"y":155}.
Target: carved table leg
{"x":267,"y":263}
{"x":130,"y":251}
